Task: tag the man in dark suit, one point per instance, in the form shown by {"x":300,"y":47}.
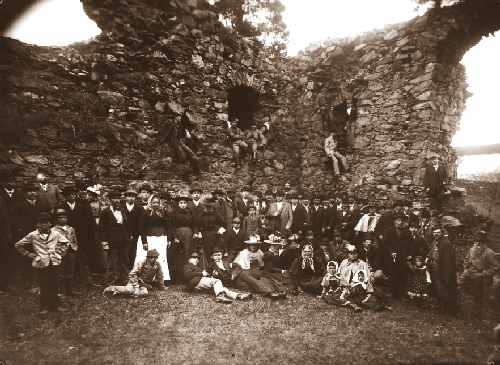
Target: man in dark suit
{"x":10,"y":199}
{"x":114,"y":238}
{"x":224,"y":207}
{"x":241,"y":205}
{"x":434,"y":181}
{"x":197,"y":209}
{"x":396,"y":251}
{"x":134,"y":221}
{"x":81,"y":219}
{"x":442,"y":268}
{"x":317,"y":213}
{"x":298,"y":214}
{"x":234,"y":239}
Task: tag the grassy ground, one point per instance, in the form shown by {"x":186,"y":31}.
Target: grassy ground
{"x":178,"y":327}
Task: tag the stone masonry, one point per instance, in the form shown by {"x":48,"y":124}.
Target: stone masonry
{"x":99,"y":109}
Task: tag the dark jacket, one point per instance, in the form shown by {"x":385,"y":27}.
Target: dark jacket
{"x":299,"y":218}
{"x":82,"y":220}
{"x":182,"y":218}
{"x":434,"y":180}
{"x":192,"y":275}
{"x":299,"y":275}
{"x":216,"y":272}
{"x":111,"y":231}
{"x":197,"y":213}
{"x":134,"y":220}
{"x":234,"y":242}
{"x":15,"y":218}
{"x":49,"y":199}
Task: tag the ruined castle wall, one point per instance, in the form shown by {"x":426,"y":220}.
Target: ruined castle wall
{"x":100,"y":109}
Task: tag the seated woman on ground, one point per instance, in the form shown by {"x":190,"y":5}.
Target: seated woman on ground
{"x":307,"y":272}
{"x":247,"y":271}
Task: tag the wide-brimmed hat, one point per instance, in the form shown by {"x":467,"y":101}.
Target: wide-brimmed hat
{"x":253,"y":240}
{"x":95,"y":189}
{"x":275,"y":239}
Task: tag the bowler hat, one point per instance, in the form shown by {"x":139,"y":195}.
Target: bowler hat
{"x":130,"y":192}
{"x":69,"y":189}
{"x":115,"y":194}
{"x":152,"y":253}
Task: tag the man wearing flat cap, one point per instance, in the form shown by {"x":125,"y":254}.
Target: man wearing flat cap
{"x":481,"y":270}
{"x":146,"y":275}
{"x":134,"y":220}
{"x":435,"y":177}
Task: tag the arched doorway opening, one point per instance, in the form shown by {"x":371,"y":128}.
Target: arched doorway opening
{"x":243,"y":103}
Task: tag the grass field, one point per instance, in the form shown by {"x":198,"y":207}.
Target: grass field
{"x":179,"y":327}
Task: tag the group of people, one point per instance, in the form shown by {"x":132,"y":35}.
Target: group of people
{"x":236,"y":244}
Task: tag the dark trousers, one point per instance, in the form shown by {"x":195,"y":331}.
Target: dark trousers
{"x":118,"y":263}
{"x":132,"y":251}
{"x":48,"y":281}
{"x":73,"y":262}
{"x":7,"y":256}
{"x":252,"y":279}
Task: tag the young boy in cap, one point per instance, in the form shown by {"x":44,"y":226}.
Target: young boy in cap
{"x":199,"y":280}
{"x":145,"y":275}
{"x":68,"y":264}
{"x":49,"y":247}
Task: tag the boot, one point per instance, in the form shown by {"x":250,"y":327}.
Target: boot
{"x":69,"y":289}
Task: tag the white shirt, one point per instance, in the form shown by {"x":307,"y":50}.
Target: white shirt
{"x":118,"y":215}
{"x":196,"y":203}
{"x":44,"y":187}
{"x":129,"y":206}
{"x":71,"y":205}
{"x":279,"y":205}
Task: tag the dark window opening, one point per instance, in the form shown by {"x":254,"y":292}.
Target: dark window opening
{"x":243,"y":103}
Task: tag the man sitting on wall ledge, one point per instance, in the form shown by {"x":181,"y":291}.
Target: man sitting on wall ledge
{"x":334,"y":155}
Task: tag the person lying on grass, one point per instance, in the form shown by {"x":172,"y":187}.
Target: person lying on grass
{"x":199,"y":280}
{"x":145,"y":275}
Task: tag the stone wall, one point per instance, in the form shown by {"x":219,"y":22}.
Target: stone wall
{"x":99,"y":109}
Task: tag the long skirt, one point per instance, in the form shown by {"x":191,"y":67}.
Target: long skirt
{"x":160,"y":244}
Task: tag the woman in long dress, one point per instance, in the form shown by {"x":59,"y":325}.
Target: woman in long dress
{"x":155,"y":234}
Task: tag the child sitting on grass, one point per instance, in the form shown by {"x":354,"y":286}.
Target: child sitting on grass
{"x":420,"y":280}
{"x":330,"y":281}
{"x":145,"y":275}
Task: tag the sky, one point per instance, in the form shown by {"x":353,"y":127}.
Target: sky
{"x":61,"y":22}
